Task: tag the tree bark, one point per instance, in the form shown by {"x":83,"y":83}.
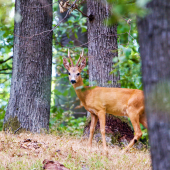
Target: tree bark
{"x":102,"y":41}
{"x":31,"y":76}
{"x":154,"y":40}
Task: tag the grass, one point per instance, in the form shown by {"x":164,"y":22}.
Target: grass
{"x":27,"y":151}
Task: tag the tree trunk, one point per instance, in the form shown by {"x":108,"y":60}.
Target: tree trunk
{"x":30,"y":93}
{"x":154,"y":38}
{"x":102,"y":42}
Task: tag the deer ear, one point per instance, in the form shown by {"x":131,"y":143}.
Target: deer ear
{"x":66,"y":63}
{"x":82,"y":64}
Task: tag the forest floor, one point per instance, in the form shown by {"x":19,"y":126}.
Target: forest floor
{"x":28,"y":151}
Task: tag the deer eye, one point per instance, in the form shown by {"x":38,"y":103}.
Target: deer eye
{"x":78,"y":74}
{"x":68,"y":73}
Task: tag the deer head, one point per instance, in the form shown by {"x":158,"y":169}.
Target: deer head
{"x":74,"y":71}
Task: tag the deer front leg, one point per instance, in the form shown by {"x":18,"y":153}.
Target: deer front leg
{"x":102,"y":120}
{"x":94,"y":119}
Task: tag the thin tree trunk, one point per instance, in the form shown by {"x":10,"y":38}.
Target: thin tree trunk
{"x":30,"y":91}
{"x":154,"y":40}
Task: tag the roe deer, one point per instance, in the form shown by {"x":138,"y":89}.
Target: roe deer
{"x":115,"y":101}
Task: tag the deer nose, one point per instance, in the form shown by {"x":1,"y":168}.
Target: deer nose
{"x":73,"y":81}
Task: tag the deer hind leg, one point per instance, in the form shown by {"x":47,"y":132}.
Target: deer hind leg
{"x":143,"y":121}
{"x":134,"y":117}
{"x":94,"y":119}
{"x":102,"y":120}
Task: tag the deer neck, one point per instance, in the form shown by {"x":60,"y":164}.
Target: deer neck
{"x":79,"y":90}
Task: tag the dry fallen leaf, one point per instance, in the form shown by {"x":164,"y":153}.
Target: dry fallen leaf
{"x":53,"y":165}
{"x":32,"y":145}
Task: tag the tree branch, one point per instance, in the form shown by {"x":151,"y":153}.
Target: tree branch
{"x":6,"y":73}
{"x":5,"y":69}
{"x":81,"y":12}
{"x":1,"y":62}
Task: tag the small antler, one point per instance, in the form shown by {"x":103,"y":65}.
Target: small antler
{"x":69,"y":56}
{"x":80,"y":57}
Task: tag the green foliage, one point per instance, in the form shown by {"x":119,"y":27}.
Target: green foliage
{"x":128,"y":65}
{"x":6,"y":48}
{"x":70,"y":28}
{"x":128,"y":62}
{"x":65,"y":123}
{"x":145,"y":137}
{"x":121,"y":9}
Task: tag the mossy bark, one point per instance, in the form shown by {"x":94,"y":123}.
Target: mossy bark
{"x":12,"y":124}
